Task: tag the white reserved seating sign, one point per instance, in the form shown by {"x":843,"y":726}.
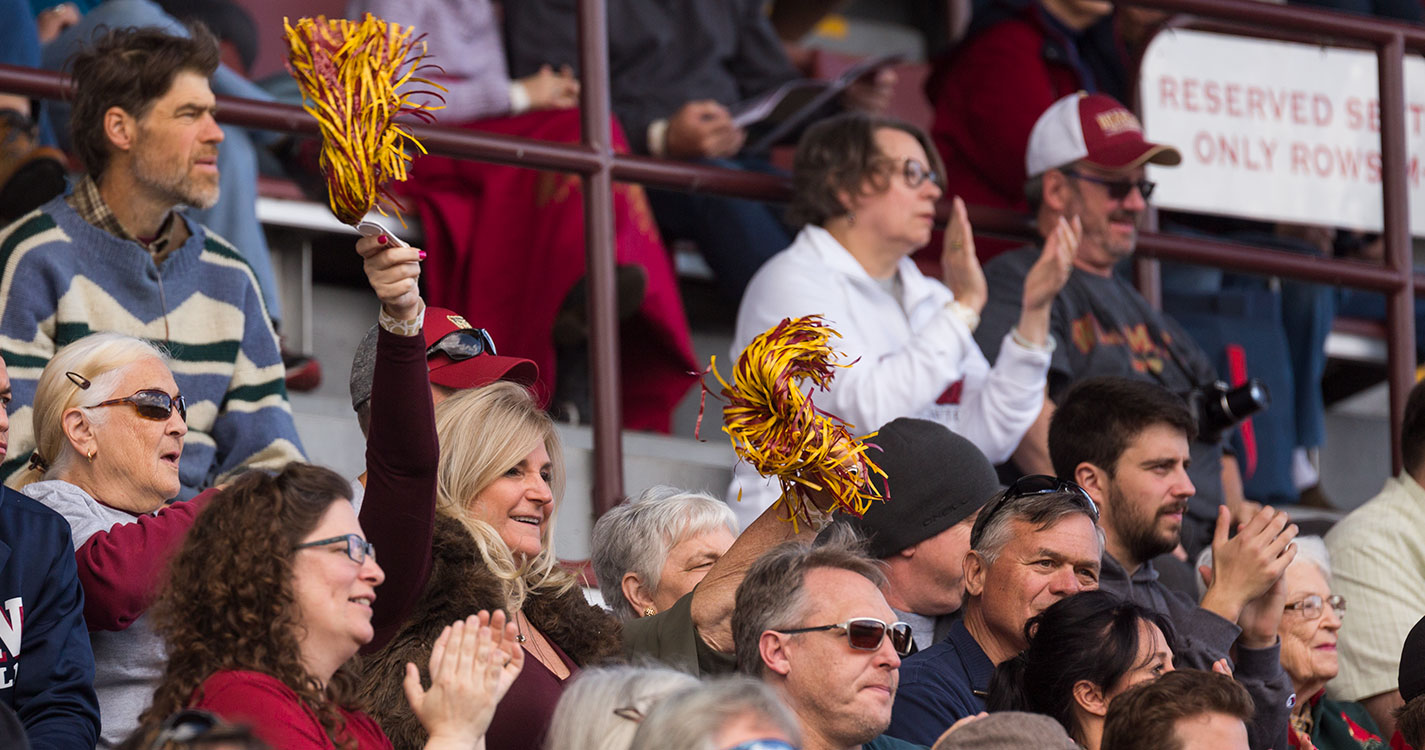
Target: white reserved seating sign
{"x":1273,"y":130}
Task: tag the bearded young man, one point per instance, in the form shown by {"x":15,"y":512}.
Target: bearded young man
{"x":115,"y":254}
{"x":1126,"y":442}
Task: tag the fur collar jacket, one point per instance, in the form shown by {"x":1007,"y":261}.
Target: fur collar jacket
{"x":459,"y":586}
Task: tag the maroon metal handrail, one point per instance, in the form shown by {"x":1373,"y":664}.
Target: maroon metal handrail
{"x":595,"y":161}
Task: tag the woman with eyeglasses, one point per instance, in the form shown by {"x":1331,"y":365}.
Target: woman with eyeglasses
{"x":1308,"y":631}
{"x":109,"y":425}
{"x":267,"y":602}
{"x":865,"y":190}
{"x":1083,"y":652}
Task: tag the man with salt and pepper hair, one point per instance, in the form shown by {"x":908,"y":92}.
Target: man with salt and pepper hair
{"x":1033,"y":545}
{"x":812,"y":623}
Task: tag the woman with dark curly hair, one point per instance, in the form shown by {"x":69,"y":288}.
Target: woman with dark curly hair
{"x":271,"y":597}
{"x":1083,"y":652}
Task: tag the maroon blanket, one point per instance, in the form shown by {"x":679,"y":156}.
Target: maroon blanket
{"x":505,"y":245}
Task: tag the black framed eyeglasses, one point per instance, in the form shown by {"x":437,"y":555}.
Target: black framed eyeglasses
{"x":357,"y":549}
{"x":1117,"y":189}
{"x":463,"y":344}
{"x":1029,"y":486}
{"x":865,"y":633}
{"x":1313,"y":607}
{"x":915,"y":172}
{"x":152,"y":404}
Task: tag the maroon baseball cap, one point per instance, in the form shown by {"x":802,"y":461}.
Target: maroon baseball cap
{"x":1093,"y":128}
{"x":474,"y":371}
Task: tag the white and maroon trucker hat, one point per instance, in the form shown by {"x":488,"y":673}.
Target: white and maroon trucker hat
{"x":1093,"y":128}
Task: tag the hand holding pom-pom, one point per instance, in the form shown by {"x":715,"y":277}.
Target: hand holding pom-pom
{"x":775,"y":427}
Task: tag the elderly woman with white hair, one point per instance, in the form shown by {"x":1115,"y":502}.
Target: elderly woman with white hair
{"x":651,"y":551}
{"x":727,"y":713}
{"x":1308,"y":631}
{"x":604,"y":706}
{"x":109,"y":424}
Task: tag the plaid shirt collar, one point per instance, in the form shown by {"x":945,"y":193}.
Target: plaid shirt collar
{"x":89,"y":204}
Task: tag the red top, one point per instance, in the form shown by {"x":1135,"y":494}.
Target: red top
{"x":121,"y":569}
{"x":277,"y":715}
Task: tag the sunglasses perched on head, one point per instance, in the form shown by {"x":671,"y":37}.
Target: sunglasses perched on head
{"x":463,"y":344}
{"x":866,"y":633}
{"x":1029,"y":486}
{"x":150,"y":403}
{"x":1117,"y":189}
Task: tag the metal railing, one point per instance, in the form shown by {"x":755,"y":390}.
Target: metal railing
{"x":595,"y":161}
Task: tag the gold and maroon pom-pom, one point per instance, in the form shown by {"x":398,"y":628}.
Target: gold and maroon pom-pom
{"x":775,"y":427}
{"x":351,"y":74}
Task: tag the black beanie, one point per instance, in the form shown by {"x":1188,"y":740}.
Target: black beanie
{"x":934,"y":479}
{"x":1412,"y":663}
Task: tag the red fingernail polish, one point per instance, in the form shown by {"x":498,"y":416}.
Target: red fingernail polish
{"x":383,"y":239}
{"x":421,"y":255}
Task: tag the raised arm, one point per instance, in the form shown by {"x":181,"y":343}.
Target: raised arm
{"x":402,"y":453}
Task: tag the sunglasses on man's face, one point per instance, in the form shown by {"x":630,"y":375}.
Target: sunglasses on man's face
{"x":1117,"y":189}
{"x":866,"y":633}
{"x":463,"y":344}
{"x":152,"y":404}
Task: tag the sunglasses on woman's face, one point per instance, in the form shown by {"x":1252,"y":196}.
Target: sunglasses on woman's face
{"x":152,"y":404}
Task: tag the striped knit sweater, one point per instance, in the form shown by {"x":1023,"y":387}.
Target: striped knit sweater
{"x":62,"y":278}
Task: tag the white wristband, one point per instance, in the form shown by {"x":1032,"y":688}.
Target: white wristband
{"x":1030,"y":345}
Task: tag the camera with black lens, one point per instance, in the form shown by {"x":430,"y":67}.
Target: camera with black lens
{"x":1220,"y":407}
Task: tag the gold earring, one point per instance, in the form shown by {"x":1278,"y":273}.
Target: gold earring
{"x":649,"y":611}
{"x":90,"y":456}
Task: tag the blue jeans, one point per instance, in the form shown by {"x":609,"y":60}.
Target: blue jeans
{"x":20,"y":45}
{"x":735,"y":236}
{"x":234,"y":217}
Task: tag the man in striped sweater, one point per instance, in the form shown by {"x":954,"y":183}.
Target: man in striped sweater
{"x":115,"y":254}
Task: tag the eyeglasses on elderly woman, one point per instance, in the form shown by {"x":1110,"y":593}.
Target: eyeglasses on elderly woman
{"x":150,"y":403}
{"x":1313,"y":607}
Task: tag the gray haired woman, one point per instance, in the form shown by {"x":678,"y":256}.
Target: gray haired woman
{"x":651,"y":551}
{"x":603,"y":707}
{"x":728,"y":713}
